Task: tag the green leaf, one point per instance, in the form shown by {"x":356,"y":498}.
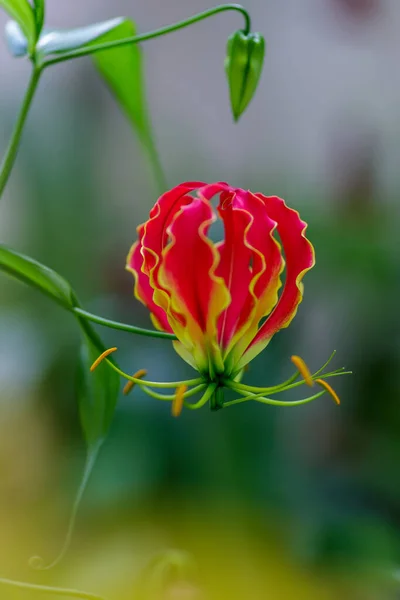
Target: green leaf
{"x":33,"y":273}
{"x":122,"y":70}
{"x":21,"y":11}
{"x":97,"y":392}
{"x":39,"y":10}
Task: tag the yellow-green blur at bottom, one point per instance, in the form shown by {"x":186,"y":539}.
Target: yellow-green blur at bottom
{"x":179,"y":552}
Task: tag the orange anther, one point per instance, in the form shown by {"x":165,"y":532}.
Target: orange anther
{"x":177,"y":402}
{"x":329,"y":389}
{"x":303,"y":369}
{"x":102,"y":357}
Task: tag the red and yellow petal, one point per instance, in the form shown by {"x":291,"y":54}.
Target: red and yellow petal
{"x":234,"y":267}
{"x":299,"y":254}
{"x":188,"y":274}
{"x":143,"y":290}
{"x":261,"y":263}
{"x":144,"y":257}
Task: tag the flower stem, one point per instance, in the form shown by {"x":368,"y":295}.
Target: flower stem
{"x":152,"y":34}
{"x":122,"y":326}
{"x":11,"y":153}
{"x":44,"y":589}
{"x":36,"y":562}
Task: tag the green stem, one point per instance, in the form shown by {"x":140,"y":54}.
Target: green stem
{"x":45,"y":589}
{"x":121,"y":326}
{"x":36,"y":562}
{"x":152,"y":34}
{"x":9,"y":158}
{"x":157,"y":167}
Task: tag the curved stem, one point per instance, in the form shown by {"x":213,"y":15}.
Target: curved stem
{"x":44,"y":589}
{"x":36,"y":562}
{"x":122,"y":326}
{"x":152,"y":34}
{"x":11,"y":153}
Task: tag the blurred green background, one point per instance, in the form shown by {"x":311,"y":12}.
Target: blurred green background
{"x":271,"y":503}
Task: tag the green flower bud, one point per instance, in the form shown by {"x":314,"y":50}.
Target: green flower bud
{"x":243,"y":66}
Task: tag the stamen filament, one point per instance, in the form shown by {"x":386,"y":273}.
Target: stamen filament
{"x":240,"y":387}
{"x":325,"y":365}
{"x":268,"y":390}
{"x":155,"y":384}
{"x":259,"y":398}
{"x":204,"y":399}
{"x":284,"y":386}
{"x":170,"y":397}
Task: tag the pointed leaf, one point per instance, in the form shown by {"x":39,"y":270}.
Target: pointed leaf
{"x":122,"y":70}
{"x":33,"y":273}
{"x":98,"y":394}
{"x":21,"y":11}
{"x":65,"y":40}
{"x":98,"y":391}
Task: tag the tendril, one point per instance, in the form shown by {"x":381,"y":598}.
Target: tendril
{"x":50,"y":590}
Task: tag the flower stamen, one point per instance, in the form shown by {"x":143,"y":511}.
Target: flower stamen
{"x":177,"y":402}
{"x":303,"y":369}
{"x":131,"y":384}
{"x":329,"y":389}
{"x":102,"y":357}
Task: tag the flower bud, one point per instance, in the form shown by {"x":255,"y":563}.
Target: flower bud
{"x":243,"y":66}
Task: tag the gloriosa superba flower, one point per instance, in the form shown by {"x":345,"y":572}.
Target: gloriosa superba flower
{"x":223,"y":301}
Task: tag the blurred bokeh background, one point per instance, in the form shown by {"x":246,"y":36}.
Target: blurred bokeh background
{"x":270,"y":503}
